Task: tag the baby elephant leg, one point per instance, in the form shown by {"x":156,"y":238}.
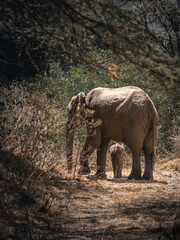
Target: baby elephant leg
{"x":119,"y":165}
{"x":114,"y":164}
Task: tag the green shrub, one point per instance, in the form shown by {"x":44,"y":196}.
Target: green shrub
{"x":33,"y":116}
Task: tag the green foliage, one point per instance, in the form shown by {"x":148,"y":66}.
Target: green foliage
{"x":61,"y":86}
{"x":169,"y":122}
{"x":69,"y":32}
{"x":33,"y":116}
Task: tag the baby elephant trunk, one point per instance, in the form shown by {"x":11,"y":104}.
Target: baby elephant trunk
{"x":117,"y":152}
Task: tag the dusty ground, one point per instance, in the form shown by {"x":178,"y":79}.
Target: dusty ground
{"x":84,"y":208}
{"x":121,"y":209}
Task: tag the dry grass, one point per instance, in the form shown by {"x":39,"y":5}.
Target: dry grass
{"x":169,"y":164}
{"x":84,"y":208}
{"x":44,"y":202}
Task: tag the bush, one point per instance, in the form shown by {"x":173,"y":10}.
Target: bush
{"x":33,"y":116}
{"x":63,"y":85}
{"x":30,"y":124}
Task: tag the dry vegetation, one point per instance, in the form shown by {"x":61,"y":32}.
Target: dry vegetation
{"x":59,"y":206}
{"x":45,"y":45}
{"x":39,"y":200}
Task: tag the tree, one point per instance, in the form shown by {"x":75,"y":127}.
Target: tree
{"x":162,"y":20}
{"x":73,"y":28}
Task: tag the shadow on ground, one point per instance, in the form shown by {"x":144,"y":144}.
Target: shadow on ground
{"x":82,"y":208}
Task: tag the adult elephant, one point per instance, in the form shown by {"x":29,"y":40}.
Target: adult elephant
{"x":126,"y":114}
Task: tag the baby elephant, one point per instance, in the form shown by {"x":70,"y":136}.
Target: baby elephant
{"x":117,"y":152}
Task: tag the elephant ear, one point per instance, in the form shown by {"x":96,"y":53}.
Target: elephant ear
{"x":73,"y":103}
{"x":76,"y":101}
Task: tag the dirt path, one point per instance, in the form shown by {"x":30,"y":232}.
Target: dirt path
{"x":84,"y":208}
{"x":118,"y":209}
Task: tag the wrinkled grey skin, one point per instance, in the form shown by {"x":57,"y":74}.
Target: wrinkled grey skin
{"x":128,"y":115}
{"x":117,"y":152}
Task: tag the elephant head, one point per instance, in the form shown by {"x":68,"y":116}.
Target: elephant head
{"x":74,"y":118}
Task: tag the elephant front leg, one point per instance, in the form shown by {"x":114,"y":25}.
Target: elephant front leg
{"x":101,"y":158}
{"x":91,"y":144}
{"x":86,"y":153}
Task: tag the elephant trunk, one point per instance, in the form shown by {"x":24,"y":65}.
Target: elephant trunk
{"x":69,"y":145}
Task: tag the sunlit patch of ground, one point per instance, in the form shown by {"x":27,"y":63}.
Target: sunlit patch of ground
{"x":87,"y":208}
{"x":123,"y":209}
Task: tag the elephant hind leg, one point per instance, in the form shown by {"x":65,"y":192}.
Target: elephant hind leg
{"x":136,"y":165}
{"x":148,"y":171}
{"x":149,"y":152}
